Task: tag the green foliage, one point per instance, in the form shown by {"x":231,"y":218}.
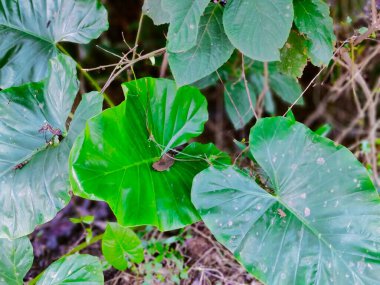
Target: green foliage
{"x":154,"y":9}
{"x":79,"y":268}
{"x":16,"y":258}
{"x":184,"y":23}
{"x":312,"y":19}
{"x":33,"y":167}
{"x":30,"y":30}
{"x":240,"y":107}
{"x":121,"y":245}
{"x":293,"y":56}
{"x":211,"y":51}
{"x":126,"y":157}
{"x":306,"y":223}
{"x":258,"y":28}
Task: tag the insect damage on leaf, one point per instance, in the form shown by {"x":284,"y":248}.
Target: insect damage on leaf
{"x":21,"y":165}
{"x":281,"y":213}
{"x":164,"y":163}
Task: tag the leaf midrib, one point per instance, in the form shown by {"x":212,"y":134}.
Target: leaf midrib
{"x":29,"y":34}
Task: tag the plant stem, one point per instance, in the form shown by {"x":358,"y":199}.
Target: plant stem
{"x":76,"y":249}
{"x":88,"y":77}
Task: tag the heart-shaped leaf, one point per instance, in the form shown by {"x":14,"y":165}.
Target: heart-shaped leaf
{"x":34,"y":146}
{"x":317,"y":223}
{"x":116,"y":158}
{"x":258,"y":28}
{"x":74,"y":269}
{"x":16,"y":258}
{"x":120,"y":245}
{"x":184,"y":23}
{"x":29,"y":31}
{"x":211,"y":51}
{"x":312,"y":17}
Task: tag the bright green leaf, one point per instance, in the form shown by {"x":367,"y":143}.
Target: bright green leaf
{"x":324,"y":130}
{"x":293,"y":56}
{"x":240,"y":108}
{"x":74,"y":269}
{"x":154,"y":9}
{"x":16,"y":258}
{"x":122,"y":157}
{"x":211,"y":51}
{"x":258,"y":28}
{"x":184,"y":23}
{"x":33,"y":162}
{"x":120,"y":245}
{"x":320,"y":225}
{"x":29,"y":31}
{"x":312,"y":17}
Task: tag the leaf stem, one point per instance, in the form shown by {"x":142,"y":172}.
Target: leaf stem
{"x":91,"y":80}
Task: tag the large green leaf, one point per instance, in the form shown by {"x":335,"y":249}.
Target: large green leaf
{"x":154,"y":9}
{"x":240,"y":108}
{"x":16,"y":258}
{"x":74,"y":269}
{"x":120,"y":245}
{"x":29,"y":31}
{"x":312,"y":17}
{"x":320,"y":225}
{"x":33,"y":161}
{"x":211,"y":51}
{"x":258,"y":28}
{"x":122,"y":157}
{"x":184,"y":22}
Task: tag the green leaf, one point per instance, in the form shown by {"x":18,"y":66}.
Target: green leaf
{"x":29,"y":31}
{"x":16,"y":258}
{"x":120,"y":245}
{"x":320,"y":225}
{"x":78,"y":268}
{"x":154,"y":9}
{"x":184,"y":22}
{"x":293,"y":56}
{"x":239,"y":107}
{"x":258,"y":28}
{"x":312,"y":17}
{"x":286,"y":87}
{"x":33,"y":161}
{"x":211,"y":51}
{"x":324,"y":130}
{"x":123,"y":158}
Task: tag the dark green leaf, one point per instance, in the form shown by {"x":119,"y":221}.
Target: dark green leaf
{"x":29,"y":31}
{"x":33,"y":161}
{"x":312,"y":17}
{"x":258,"y":28}
{"x":293,"y":56}
{"x":114,"y":159}
{"x":120,"y":245}
{"x":240,"y":108}
{"x":74,"y":269}
{"x":320,"y":225}
{"x":16,"y":258}
{"x":211,"y":51}
{"x":286,"y":87}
